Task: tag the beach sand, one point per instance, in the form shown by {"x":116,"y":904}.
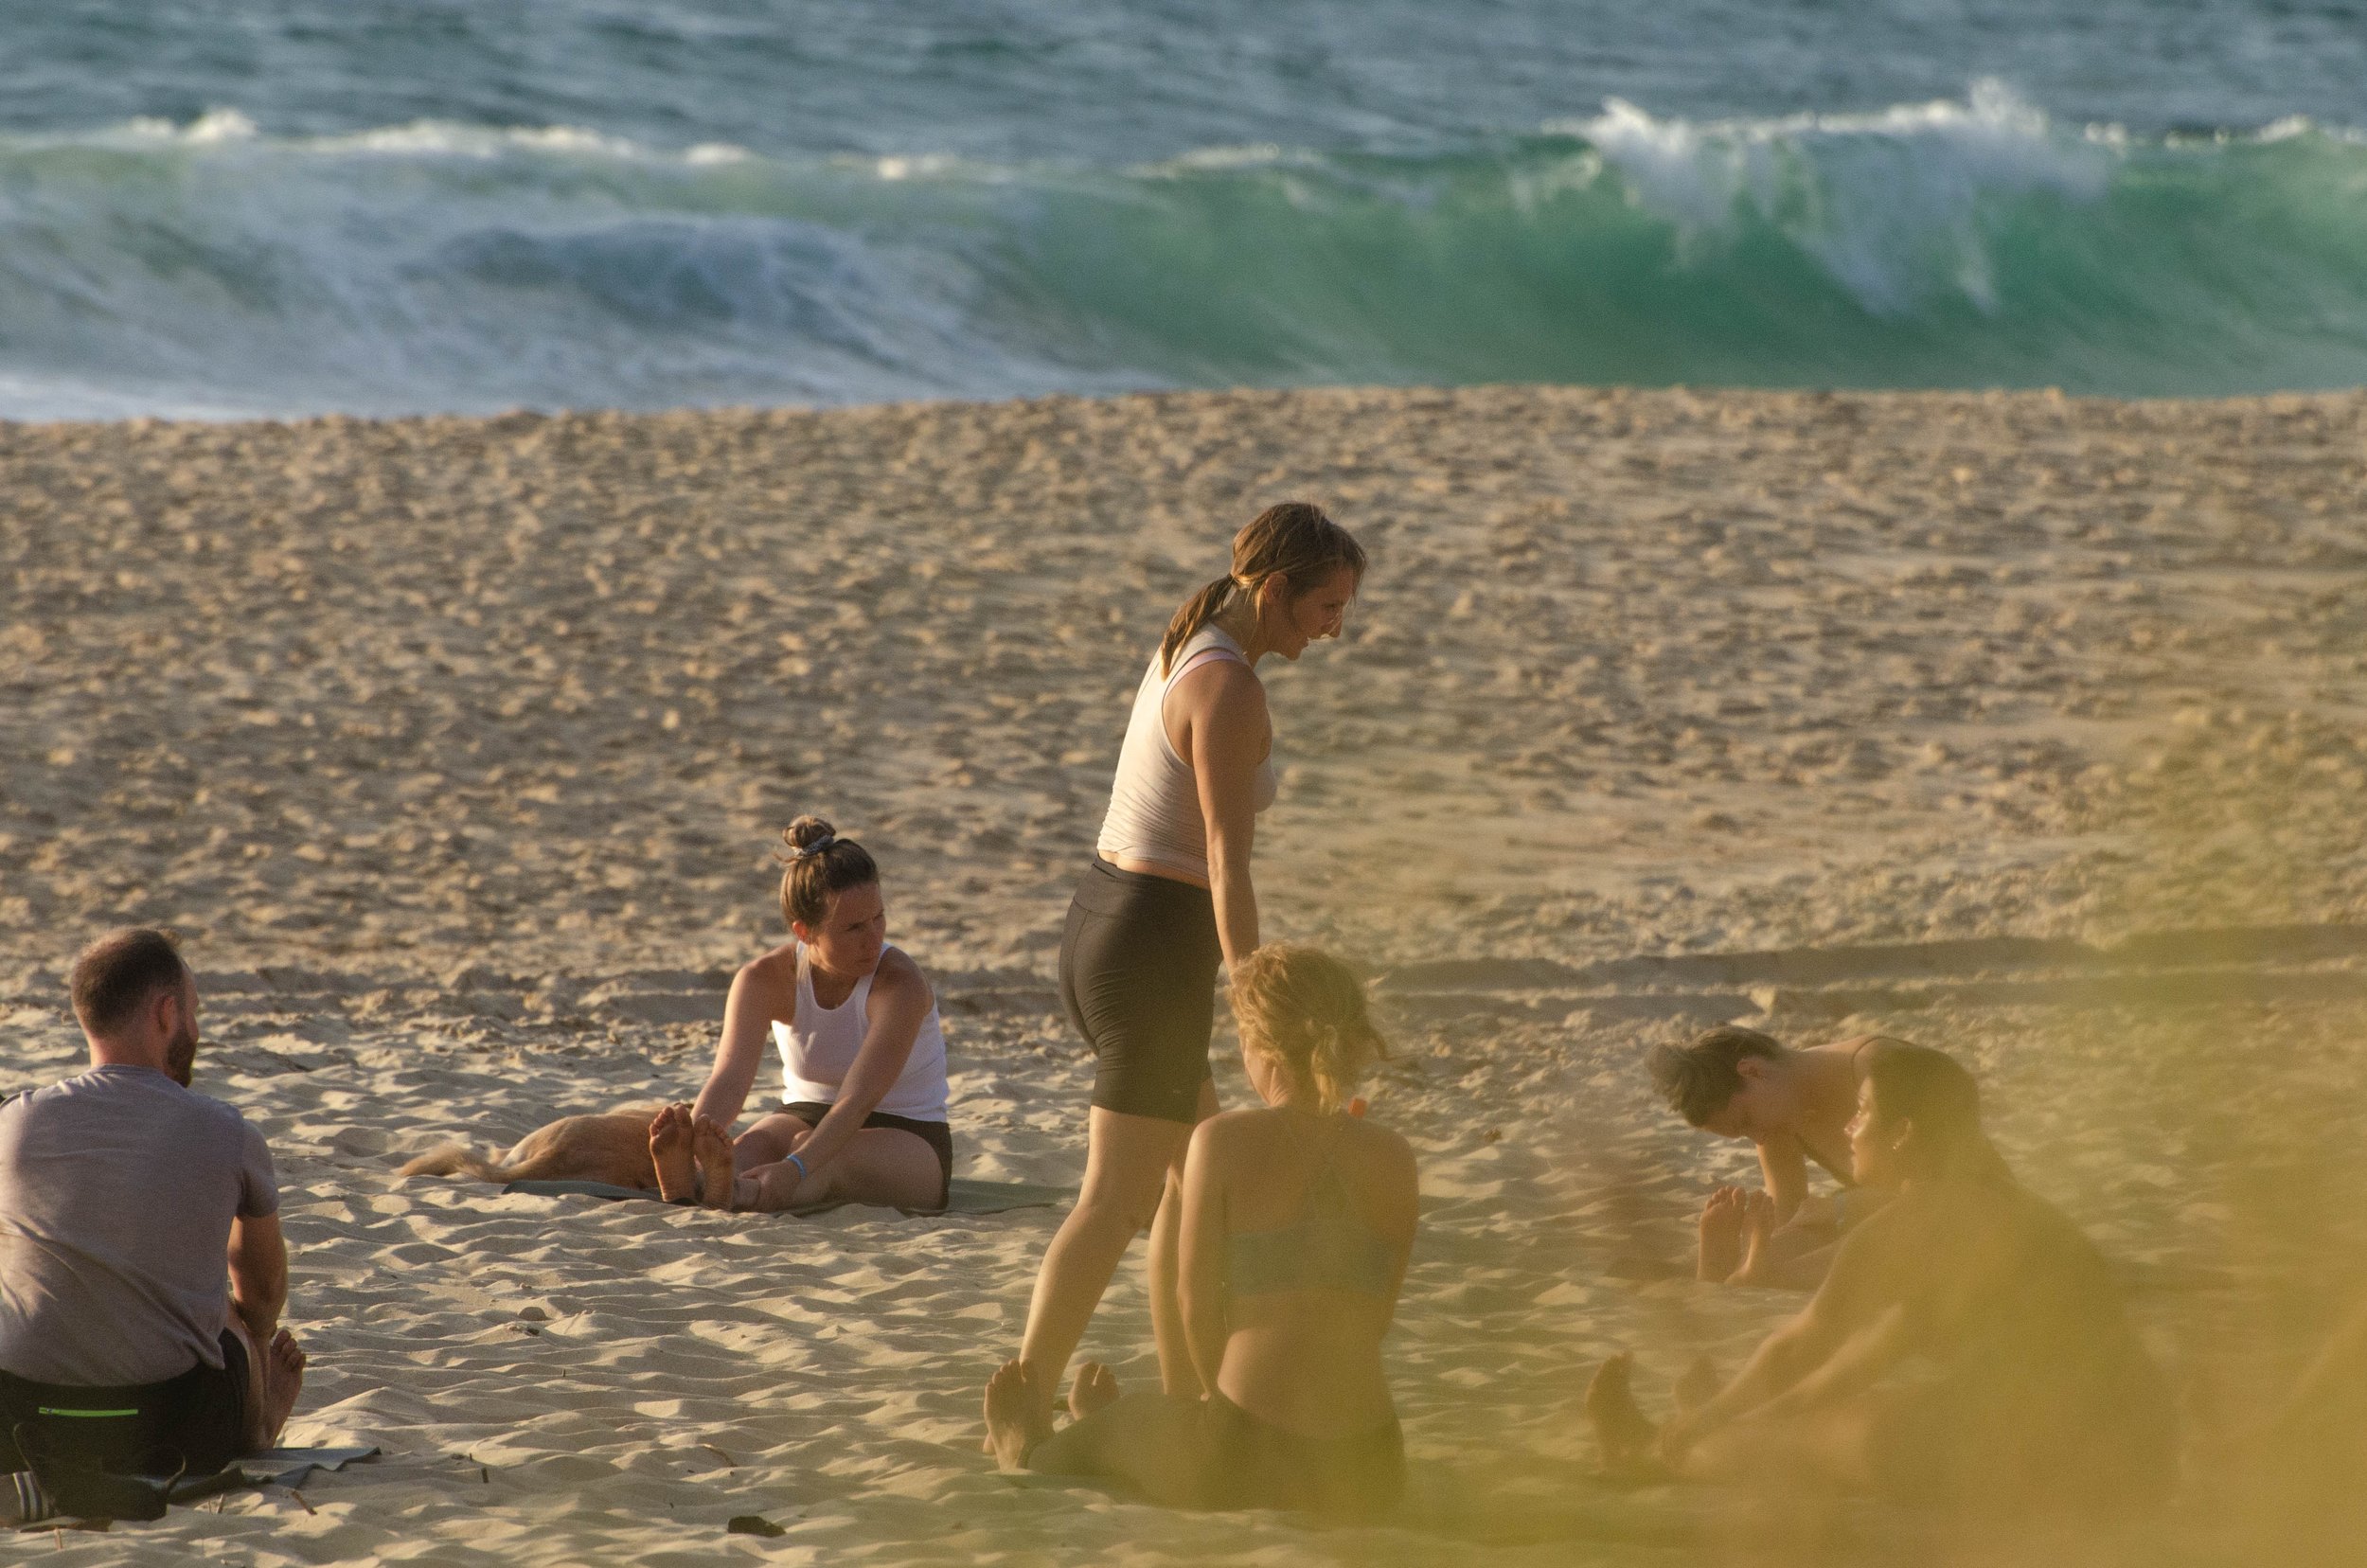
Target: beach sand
{"x":2026,"y":726}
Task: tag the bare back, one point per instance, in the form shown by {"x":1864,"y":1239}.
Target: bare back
{"x":1305,"y":1355}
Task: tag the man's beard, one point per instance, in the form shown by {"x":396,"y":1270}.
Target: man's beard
{"x":180,"y":1053}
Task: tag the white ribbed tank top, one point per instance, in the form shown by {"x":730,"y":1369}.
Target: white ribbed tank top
{"x":1154,"y":800}
{"x":819,"y":1045}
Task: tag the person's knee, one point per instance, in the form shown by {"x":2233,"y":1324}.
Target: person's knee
{"x":1115,"y":1215}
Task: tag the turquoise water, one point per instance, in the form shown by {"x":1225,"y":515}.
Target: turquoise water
{"x":218,"y":209}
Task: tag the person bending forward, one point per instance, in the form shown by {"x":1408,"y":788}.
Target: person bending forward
{"x":1794,"y":1104}
{"x":1968,"y":1345}
{"x":1166,"y":895}
{"x":1296,"y":1223}
{"x":863,"y":1114}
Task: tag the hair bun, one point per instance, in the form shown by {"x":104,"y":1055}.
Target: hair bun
{"x":806,"y":832}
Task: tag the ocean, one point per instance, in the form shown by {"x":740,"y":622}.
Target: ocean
{"x":220,"y":210}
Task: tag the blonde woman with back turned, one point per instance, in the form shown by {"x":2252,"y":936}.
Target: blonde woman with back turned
{"x":1297,"y":1218}
{"x":1166,"y":898}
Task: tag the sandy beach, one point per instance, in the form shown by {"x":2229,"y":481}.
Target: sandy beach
{"x":2026,"y":726}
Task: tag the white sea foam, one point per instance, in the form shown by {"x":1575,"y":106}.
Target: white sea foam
{"x":1887,"y":201}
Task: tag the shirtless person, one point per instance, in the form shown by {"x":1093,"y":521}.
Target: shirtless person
{"x":1297,"y":1221}
{"x":142,"y":1273}
{"x":1795,"y":1105}
{"x":2021,"y":1380}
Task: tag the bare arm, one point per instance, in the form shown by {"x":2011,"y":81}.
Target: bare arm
{"x":1784,"y":1166}
{"x":1229,"y":739}
{"x":1401,"y":1215}
{"x":1202,"y":1256}
{"x":1863,"y":1357}
{"x":900,"y":1001}
{"x":755,"y":1000}
{"x":1842,"y":1305}
{"x":259,"y":1274}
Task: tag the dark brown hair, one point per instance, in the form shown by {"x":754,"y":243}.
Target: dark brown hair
{"x":1699,"y":1079}
{"x":120,"y":973}
{"x":1931,"y":1092}
{"x":812,"y":875}
{"x":1293,"y":541}
{"x":1305,"y":1009}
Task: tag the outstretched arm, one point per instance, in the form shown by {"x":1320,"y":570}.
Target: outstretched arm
{"x":900,"y":1000}
{"x":748,"y":1015}
{"x":1846,"y":1304}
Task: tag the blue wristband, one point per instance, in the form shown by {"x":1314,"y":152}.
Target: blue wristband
{"x":803,"y":1174}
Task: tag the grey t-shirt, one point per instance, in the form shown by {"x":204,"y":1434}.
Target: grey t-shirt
{"x":117,"y":1193}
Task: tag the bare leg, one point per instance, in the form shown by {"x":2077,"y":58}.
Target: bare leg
{"x":275,"y":1376}
{"x":1176,"y":1375}
{"x":1095,"y":1385}
{"x":1719,"y":1246}
{"x":711,"y":1150}
{"x":886,"y":1166}
{"x":670,"y":1152}
{"x":1145,"y":1441}
{"x":774,"y":1136}
{"x":1127,"y":1161}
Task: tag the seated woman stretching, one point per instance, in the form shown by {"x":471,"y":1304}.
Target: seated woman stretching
{"x":1296,"y":1223}
{"x":862,"y":1058}
{"x":1794,"y":1103}
{"x":2028,"y":1383}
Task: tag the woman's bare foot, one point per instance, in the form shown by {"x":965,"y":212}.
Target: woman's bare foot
{"x":1622,"y":1435}
{"x":1016,"y":1422}
{"x":283,"y":1380}
{"x":711,"y":1151}
{"x":671,"y":1152}
{"x":1093,"y":1387}
{"x":1720,"y":1247}
{"x":1758,"y":1224}
{"x":1698,"y":1386}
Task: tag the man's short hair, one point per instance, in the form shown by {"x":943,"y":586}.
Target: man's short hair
{"x":120,"y":973}
{"x":1699,"y":1079}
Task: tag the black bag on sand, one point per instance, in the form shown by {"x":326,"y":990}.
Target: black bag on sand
{"x":79,"y":1488}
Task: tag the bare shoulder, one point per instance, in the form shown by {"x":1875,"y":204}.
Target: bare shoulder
{"x":769,"y":977}
{"x":898,"y":978}
{"x":1230,"y":1128}
{"x":1375,"y":1142}
{"x":1225,"y":690}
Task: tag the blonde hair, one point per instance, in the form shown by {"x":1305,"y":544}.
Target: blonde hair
{"x":1304,"y":1009}
{"x":817,"y":866}
{"x":1293,"y":541}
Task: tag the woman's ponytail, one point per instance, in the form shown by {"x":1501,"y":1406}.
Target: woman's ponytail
{"x":1198,"y":611}
{"x":1304,"y":1010}
{"x":1293,"y":541}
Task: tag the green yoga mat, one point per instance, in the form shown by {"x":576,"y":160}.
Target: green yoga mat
{"x":968,"y":1196}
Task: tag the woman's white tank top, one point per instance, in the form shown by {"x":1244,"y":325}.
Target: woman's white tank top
{"x":1154,"y":801}
{"x":819,"y":1045}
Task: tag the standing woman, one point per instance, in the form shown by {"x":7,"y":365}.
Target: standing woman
{"x":1166,"y":897}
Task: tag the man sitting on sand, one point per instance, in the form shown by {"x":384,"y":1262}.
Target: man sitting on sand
{"x":2033,"y":1386}
{"x":1795,"y":1105}
{"x":124,"y":1344}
